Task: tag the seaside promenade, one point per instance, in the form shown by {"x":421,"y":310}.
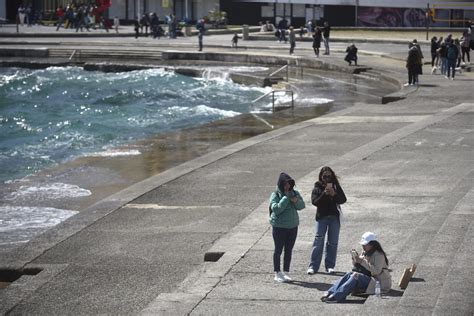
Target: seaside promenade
{"x":406,"y":168}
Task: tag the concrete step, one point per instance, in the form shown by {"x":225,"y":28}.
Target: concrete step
{"x":116,"y":54}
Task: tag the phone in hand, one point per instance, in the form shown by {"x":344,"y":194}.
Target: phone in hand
{"x":354,"y":253}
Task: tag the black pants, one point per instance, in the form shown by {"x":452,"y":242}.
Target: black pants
{"x":465,"y":52}
{"x":412,"y":76}
{"x":292,"y":47}
{"x":283,"y":238}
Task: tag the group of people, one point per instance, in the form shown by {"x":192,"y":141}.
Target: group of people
{"x":369,"y":267}
{"x":82,"y":16}
{"x":25,"y":14}
{"x":152,"y":22}
{"x":448,"y":53}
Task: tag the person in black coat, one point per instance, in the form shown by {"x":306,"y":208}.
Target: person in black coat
{"x":327,"y":196}
{"x":351,"y":54}
{"x":317,"y":41}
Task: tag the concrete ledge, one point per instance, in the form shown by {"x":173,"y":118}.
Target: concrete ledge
{"x":24,"y":52}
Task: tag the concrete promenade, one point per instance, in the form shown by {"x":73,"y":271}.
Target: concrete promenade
{"x":406,"y":168}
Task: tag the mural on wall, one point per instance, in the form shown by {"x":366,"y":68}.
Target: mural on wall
{"x":396,"y":17}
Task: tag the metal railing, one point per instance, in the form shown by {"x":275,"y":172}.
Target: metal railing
{"x":273,"y":97}
{"x":72,"y":55}
{"x":286,"y":67}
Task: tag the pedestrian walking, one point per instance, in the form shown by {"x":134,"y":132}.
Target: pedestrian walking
{"x":201,"y":29}
{"x":292,"y":38}
{"x":116,"y":24}
{"x":442,"y":52}
{"x":21,"y":14}
{"x":235,"y":40}
{"x":326,"y":33}
{"x":60,"y":15}
{"x":465,"y":48}
{"x":317,"y":40}
{"x":327,"y":196}
{"x":458,"y":45}
{"x":451,"y":55}
{"x":413,"y":65}
{"x":285,"y":202}
{"x":369,"y":268}
{"x":434,"y":54}
{"x":136,"y":27}
{"x":282,"y":26}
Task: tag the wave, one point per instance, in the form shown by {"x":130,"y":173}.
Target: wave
{"x":48,"y":191}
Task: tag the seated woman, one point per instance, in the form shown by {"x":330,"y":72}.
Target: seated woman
{"x":373,"y":262}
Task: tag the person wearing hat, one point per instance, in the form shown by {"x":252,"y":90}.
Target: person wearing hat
{"x":374,"y":262}
{"x":285,"y":202}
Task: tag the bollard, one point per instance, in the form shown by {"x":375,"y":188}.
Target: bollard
{"x":245,"y":32}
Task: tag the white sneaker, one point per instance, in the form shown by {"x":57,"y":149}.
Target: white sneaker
{"x":280,"y":277}
{"x":406,"y":84}
{"x":310,"y":271}
{"x":287,"y":278}
{"x":331,"y":271}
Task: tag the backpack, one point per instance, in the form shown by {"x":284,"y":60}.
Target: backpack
{"x":270,"y":206}
{"x":452,"y":52}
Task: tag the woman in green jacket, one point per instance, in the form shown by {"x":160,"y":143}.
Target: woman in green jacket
{"x":285,"y":203}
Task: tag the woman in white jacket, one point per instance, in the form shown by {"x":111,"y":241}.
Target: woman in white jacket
{"x":373,"y":262}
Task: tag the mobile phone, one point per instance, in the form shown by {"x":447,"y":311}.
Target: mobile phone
{"x":354,"y":253}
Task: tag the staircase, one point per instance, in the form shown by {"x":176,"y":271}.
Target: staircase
{"x":84,"y":54}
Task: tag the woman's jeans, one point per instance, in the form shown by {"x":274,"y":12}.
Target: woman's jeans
{"x":283,"y":238}
{"x":331,"y":225}
{"x":347,"y":284}
{"x":444,"y":65}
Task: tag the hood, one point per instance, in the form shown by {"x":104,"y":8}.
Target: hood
{"x":283,"y":179}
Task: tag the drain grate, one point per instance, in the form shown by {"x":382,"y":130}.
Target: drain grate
{"x":213,"y":256}
{"x":8,"y":276}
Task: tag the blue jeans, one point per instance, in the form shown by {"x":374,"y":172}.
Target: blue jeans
{"x":326,"y":45}
{"x":444,"y":65}
{"x":331,"y":225}
{"x":283,"y":238}
{"x":347,"y":284}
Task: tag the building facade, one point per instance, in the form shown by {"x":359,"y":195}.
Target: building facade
{"x":364,"y":13}
{"x":369,"y":13}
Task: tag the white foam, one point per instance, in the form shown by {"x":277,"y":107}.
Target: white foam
{"x":206,"y":110}
{"x":311,"y":101}
{"x":23,"y":222}
{"x":48,"y":191}
{"x":115,"y":153}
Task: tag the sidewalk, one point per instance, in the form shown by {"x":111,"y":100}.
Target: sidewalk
{"x":406,"y":168}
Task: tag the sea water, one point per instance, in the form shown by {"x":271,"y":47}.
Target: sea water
{"x":57,"y":114}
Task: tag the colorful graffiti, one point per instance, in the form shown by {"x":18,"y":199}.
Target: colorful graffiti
{"x":393,"y":17}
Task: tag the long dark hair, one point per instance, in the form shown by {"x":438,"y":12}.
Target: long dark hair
{"x":376,"y":247}
{"x":323,"y":170}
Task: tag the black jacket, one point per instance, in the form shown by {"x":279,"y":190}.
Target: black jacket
{"x":325,"y":204}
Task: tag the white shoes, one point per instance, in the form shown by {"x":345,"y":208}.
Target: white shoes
{"x":281,"y":277}
{"x":331,"y":271}
{"x":310,"y":271}
{"x":406,"y":85}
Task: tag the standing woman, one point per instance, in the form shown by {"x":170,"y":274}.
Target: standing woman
{"x":317,"y":41}
{"x":374,"y":264}
{"x":327,"y":195}
{"x":285,"y":202}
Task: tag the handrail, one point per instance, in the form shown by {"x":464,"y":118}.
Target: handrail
{"x":281,"y":69}
{"x":273,"y":97}
{"x":72,"y":55}
{"x":278,"y":70}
